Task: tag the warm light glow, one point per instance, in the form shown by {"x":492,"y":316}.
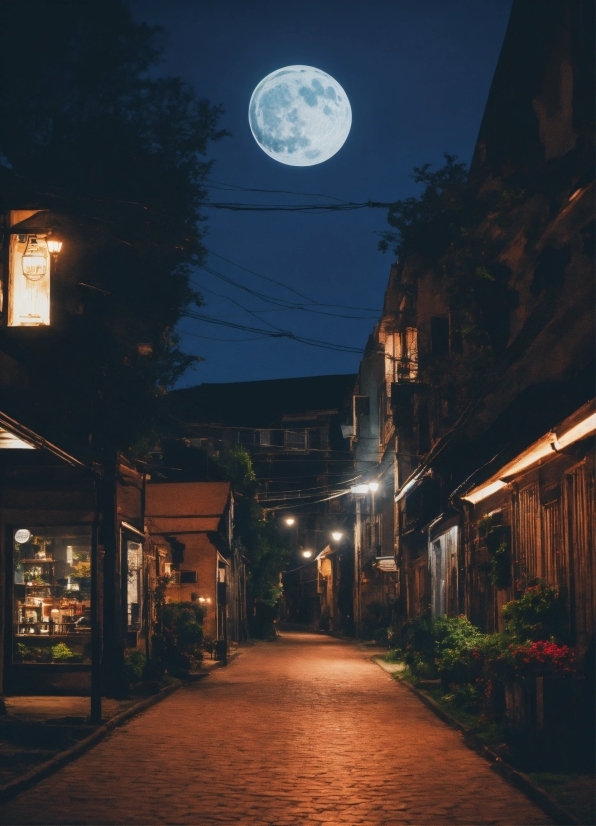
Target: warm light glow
{"x":290,"y":520}
{"x":580,"y":431}
{"x":202,"y":599}
{"x":35,"y":260}
{"x":337,"y":535}
{"x":28,"y":281}
{"x":307,"y":554}
{"x":54,"y":246}
{"x":359,"y":488}
{"x":9,"y":441}
{"x":544,"y":448}
{"x":406,"y":489}
{"x":374,"y":486}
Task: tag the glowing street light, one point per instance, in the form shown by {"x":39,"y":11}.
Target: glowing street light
{"x":337,"y":535}
{"x":54,"y":246}
{"x":373,"y":486}
{"x":290,"y":520}
{"x":307,"y":554}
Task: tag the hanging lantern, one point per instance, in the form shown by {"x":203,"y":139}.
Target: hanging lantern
{"x":54,"y":246}
{"x":35,"y":260}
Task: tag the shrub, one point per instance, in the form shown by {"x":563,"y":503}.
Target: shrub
{"x":178,"y":645}
{"x":466,"y":663}
{"x":134,"y":664}
{"x":538,"y":614}
{"x":532,"y":659}
{"x":62,"y":653}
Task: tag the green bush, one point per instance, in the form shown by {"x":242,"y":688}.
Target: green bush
{"x":62,"y":653}
{"x":179,"y":644}
{"x":134,"y":665}
{"x":538,"y":614}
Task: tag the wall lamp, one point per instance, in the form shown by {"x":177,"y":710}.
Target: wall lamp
{"x":307,"y":554}
{"x":336,"y":535}
{"x":54,"y":246}
{"x":289,"y":520}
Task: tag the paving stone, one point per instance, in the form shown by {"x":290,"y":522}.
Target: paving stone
{"x":303,"y":730}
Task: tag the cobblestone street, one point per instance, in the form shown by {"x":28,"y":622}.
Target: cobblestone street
{"x":303,"y":730}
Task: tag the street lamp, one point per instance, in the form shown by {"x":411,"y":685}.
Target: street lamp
{"x":337,"y":535}
{"x":290,"y":520}
{"x":373,"y":486}
{"x":307,"y":554}
{"x":54,"y":246}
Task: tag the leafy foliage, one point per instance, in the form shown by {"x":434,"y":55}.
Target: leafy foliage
{"x":266,"y":552}
{"x":177,"y":645}
{"x":532,"y":659}
{"x":538,"y":614}
{"x":456,"y":232}
{"x":497,"y":539}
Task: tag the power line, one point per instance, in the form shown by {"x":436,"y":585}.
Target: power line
{"x":236,"y":188}
{"x":275,"y":333}
{"x":286,"y":287}
{"x":282,"y":305}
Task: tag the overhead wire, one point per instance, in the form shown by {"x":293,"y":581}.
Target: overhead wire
{"x":290,"y":289}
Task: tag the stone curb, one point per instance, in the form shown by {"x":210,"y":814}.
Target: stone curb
{"x":515,"y":777}
{"x":10,"y":790}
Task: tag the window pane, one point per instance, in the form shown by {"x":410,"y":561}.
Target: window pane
{"x":52,"y":594}
{"x":296,"y":439}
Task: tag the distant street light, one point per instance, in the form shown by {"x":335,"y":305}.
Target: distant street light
{"x":307,"y":554}
{"x":373,"y":486}
{"x":359,"y":488}
{"x":290,"y":520}
{"x":337,"y":535}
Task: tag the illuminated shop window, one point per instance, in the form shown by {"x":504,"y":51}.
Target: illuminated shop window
{"x":52,"y":594}
{"x":134,"y":552}
{"x":401,"y":355}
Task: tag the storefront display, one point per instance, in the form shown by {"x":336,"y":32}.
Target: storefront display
{"x":52,"y":594}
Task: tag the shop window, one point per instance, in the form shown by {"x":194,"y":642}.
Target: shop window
{"x":401,"y":355}
{"x":134,"y":552}
{"x":52,"y":594}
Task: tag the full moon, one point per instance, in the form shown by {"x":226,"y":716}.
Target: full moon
{"x":300,"y":115}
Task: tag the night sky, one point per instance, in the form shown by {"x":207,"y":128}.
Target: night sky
{"x":417,"y":73}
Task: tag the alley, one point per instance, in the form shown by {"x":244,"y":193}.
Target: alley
{"x":302,"y":730}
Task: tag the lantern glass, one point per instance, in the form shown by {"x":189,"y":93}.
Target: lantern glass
{"x":54,"y":246}
{"x":35,"y":260}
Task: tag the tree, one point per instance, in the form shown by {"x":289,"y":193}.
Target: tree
{"x":457,"y":231}
{"x":267,"y":554}
{"x":118,"y":153}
